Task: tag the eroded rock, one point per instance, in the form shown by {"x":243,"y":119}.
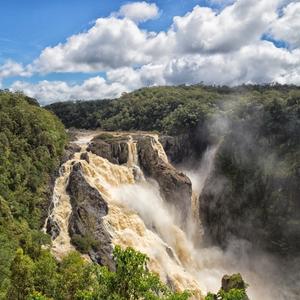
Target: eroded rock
{"x":86,"y":225}
{"x":175,"y":187}
{"x":114,"y":149}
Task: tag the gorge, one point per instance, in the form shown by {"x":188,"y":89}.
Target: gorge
{"x":120,"y":188}
{"x":203,"y":180}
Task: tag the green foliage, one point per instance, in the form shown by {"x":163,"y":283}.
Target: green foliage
{"x":131,"y":280}
{"x":85,"y":243}
{"x":75,"y":279}
{"x":31,"y":143}
{"x":233,"y":288}
{"x":233,"y":294}
{"x":21,"y":277}
{"x":167,"y":109}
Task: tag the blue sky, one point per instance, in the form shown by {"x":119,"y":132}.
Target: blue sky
{"x":200,"y":44}
{"x":27,"y":27}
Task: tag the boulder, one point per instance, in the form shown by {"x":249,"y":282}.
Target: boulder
{"x":52,"y":228}
{"x":86,"y":226}
{"x":234,"y":281}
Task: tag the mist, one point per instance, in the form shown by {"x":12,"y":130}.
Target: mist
{"x":209,"y":263}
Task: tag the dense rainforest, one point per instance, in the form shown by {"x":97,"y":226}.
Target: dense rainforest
{"x":257,"y":168}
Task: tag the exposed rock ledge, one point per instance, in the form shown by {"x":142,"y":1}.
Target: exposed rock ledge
{"x":86,"y":226}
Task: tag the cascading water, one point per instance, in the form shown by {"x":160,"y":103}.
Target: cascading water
{"x":139,"y":217}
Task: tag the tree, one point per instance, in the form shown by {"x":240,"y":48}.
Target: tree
{"x":233,"y":288}
{"x":21,"y":277}
{"x":131,"y":280}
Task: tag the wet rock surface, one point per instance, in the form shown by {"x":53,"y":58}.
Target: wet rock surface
{"x":234,"y":281}
{"x":114,"y":149}
{"x":177,"y":148}
{"x":69,"y":152}
{"x":86,"y":226}
{"x":175,"y":187}
{"x":52,"y":228}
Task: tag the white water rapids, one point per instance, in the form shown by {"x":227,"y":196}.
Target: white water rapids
{"x":139,"y":218}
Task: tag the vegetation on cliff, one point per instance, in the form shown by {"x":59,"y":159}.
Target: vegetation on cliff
{"x":73,"y":278}
{"x":233,"y":288}
{"x":257,"y":174}
{"x":31,"y":143}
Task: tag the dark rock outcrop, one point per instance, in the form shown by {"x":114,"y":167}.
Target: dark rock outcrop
{"x":114,"y":149}
{"x":177,"y":148}
{"x":234,"y":281}
{"x":175,"y":187}
{"x":249,"y":197}
{"x":52,"y":228}
{"x":69,"y":152}
{"x":86,"y":226}
{"x":85,"y":156}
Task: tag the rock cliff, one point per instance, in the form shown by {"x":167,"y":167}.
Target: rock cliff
{"x":86,"y":225}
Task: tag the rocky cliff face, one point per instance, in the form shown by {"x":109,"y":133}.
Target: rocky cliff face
{"x":175,"y":187}
{"x":86,"y":225}
{"x":114,"y":149}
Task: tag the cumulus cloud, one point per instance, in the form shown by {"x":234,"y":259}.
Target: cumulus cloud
{"x":237,"y":25}
{"x":53,"y":91}
{"x":11,"y":68}
{"x":114,"y":43}
{"x":110,"y":43}
{"x":258,"y":63}
{"x":138,"y":11}
{"x":204,"y":45}
{"x":287,"y":27}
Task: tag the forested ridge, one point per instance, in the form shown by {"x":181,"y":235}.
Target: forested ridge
{"x":168,"y":109}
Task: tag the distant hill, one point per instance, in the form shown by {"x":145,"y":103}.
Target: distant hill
{"x":168,"y":109}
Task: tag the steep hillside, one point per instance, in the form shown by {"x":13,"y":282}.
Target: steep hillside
{"x":31,"y":144}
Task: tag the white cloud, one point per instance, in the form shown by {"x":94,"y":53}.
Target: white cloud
{"x":52,"y":91}
{"x":11,"y":68}
{"x":114,"y":43}
{"x":287,"y":27}
{"x":110,"y":43}
{"x":215,"y":47}
{"x":237,"y":25}
{"x":138,"y":11}
{"x":261,"y":62}
{"x":258,"y":63}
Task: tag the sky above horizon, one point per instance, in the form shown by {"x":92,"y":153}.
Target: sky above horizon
{"x":95,"y":49}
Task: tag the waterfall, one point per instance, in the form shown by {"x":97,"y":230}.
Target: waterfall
{"x":139,"y":217}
